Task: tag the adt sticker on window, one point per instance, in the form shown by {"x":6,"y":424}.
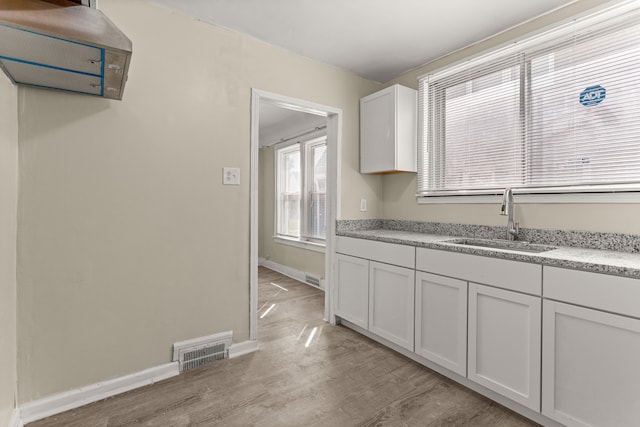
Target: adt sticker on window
{"x":593,"y":95}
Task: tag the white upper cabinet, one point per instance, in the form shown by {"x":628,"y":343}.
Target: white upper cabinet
{"x":388,"y":130}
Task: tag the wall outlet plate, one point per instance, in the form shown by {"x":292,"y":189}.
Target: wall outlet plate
{"x":231,"y":176}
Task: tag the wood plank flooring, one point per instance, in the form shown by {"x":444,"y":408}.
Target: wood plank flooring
{"x":334,"y":377}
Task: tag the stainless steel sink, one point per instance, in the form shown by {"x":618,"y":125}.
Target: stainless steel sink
{"x":503,"y":245}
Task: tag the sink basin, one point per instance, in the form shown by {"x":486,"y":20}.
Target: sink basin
{"x":503,"y":244}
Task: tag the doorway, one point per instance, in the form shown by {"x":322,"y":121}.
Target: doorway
{"x":307,"y":121}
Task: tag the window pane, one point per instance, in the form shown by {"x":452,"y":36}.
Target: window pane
{"x":574,"y":142}
{"x":289,"y":196}
{"x":317,"y":211}
{"x":481,"y":135}
{"x":561,"y":113}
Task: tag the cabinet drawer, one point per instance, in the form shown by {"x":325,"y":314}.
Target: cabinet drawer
{"x":513,"y":275}
{"x":596,"y":290}
{"x":389,"y":253}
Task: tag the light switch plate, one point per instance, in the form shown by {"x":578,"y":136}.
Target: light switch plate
{"x":231,"y":176}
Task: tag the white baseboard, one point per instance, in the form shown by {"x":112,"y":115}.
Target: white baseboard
{"x":16,"y":420}
{"x":298,"y":275}
{"x":242,"y":348}
{"x":57,"y":403}
{"x":61,"y":402}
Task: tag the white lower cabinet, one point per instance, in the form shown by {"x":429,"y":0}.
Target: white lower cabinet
{"x":504,"y":343}
{"x":375,"y":287}
{"x":352,"y":277}
{"x":441,"y":321}
{"x":576,"y":359}
{"x":591,"y":367}
{"x":391,"y":303}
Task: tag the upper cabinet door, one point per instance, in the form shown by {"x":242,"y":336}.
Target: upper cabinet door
{"x":388,"y":130}
{"x":504,"y":343}
{"x":591,"y":367}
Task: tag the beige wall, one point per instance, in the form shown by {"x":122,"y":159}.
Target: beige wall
{"x":128,"y":241}
{"x":398,"y":191}
{"x":8,"y":227}
{"x":298,"y":258}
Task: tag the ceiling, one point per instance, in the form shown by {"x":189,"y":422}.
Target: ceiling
{"x":277,"y":123}
{"x":376,"y":39}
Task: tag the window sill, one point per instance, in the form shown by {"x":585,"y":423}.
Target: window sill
{"x":559,"y":198}
{"x":312,"y":246}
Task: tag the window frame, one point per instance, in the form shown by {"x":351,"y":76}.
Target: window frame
{"x":280,"y":152}
{"x":304,"y":147}
{"x":480,"y":66}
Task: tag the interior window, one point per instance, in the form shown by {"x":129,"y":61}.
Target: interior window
{"x":301,"y":174}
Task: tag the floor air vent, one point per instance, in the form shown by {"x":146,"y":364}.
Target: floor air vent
{"x":312,"y":280}
{"x":197,"y":352}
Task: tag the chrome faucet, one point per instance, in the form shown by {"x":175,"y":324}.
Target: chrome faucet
{"x":507,"y":209}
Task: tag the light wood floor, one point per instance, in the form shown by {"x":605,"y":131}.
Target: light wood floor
{"x":337,"y":378}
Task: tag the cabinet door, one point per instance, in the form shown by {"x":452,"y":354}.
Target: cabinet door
{"x":378,"y":131}
{"x":352,"y":284}
{"x":504,"y":343}
{"x":441,"y":321}
{"x":391,"y":303}
{"x":388,"y":129}
{"x":590,"y":367}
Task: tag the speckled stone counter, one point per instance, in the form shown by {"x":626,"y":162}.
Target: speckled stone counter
{"x":623,"y":260}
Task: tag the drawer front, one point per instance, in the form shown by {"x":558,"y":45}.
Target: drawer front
{"x":389,"y":253}
{"x":600,"y":291}
{"x":512,"y":275}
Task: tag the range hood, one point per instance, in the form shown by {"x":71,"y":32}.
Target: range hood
{"x":62,"y":45}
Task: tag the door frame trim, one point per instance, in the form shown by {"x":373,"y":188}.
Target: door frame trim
{"x":334,"y":144}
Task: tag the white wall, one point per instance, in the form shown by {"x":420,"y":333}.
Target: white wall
{"x":398,"y":191}
{"x":300,"y":259}
{"x":8,"y":227}
{"x":128,"y":241}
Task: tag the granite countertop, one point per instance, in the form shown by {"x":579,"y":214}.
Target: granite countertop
{"x":594,"y":260}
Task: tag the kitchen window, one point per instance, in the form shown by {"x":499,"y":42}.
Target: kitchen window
{"x":301,"y":186}
{"x":554,"y":113}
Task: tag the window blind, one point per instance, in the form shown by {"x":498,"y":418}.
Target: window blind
{"x":555,"y":112}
